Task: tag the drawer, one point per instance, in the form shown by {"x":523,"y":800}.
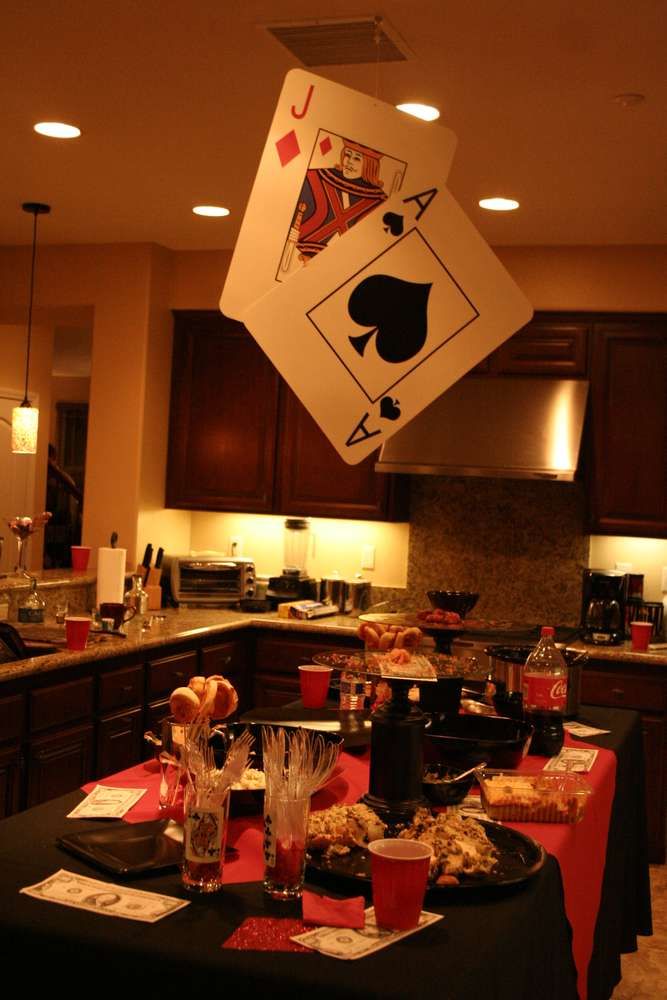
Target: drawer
{"x":623,"y":691}
{"x":169,"y":673}
{"x":54,"y":706}
{"x":11,"y":717}
{"x":285,"y":654}
{"x":223,"y":658}
{"x":121,"y":688}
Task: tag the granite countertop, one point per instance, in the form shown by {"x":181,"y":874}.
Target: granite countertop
{"x":178,"y":624}
{"x":49,"y":578}
{"x":184,"y":624}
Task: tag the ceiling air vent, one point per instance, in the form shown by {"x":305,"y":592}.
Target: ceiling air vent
{"x":341,"y":42}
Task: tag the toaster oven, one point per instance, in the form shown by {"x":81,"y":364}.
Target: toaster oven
{"x":211,"y":580}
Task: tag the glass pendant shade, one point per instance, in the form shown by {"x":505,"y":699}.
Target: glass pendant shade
{"x":24,"y":429}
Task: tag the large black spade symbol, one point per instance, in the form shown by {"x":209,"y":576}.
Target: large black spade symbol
{"x":397,"y":310}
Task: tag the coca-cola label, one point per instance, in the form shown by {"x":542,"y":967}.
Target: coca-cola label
{"x":544,"y":691}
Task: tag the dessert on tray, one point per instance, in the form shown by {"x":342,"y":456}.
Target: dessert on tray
{"x":537,"y":798}
{"x":338,"y":829}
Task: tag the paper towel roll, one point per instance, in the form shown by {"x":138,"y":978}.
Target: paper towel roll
{"x":110,"y":575}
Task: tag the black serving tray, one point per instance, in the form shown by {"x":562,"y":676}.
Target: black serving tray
{"x":519,"y":858}
{"x":125,"y":848}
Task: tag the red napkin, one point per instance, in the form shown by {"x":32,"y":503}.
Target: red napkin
{"x":267,"y":934}
{"x":327,"y":912}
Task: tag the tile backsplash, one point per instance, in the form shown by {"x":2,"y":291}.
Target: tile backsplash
{"x":520,"y":544}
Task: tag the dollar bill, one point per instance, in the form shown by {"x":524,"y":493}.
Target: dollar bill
{"x":346,"y":943}
{"x":572,"y":759}
{"x":107,"y":803}
{"x":582,"y":731}
{"x":82,"y":893}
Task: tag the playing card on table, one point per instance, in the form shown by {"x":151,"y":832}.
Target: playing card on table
{"x":104,"y":802}
{"x":387,"y":319}
{"x":332,"y":157}
{"x":346,"y":943}
{"x":83,"y":893}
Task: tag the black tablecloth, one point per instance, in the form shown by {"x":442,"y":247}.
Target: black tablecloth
{"x":625,"y":903}
{"x":501,"y":945}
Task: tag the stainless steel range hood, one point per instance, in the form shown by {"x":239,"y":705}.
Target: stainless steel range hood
{"x":515,"y":428}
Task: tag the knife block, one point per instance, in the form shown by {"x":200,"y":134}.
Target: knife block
{"x":154,"y":596}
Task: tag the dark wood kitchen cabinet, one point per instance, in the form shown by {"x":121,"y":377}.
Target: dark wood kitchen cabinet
{"x":628,"y":462}
{"x":277,"y":658}
{"x":554,"y":345}
{"x":548,"y":345}
{"x":642,"y":687}
{"x":223,"y":417}
{"x":240,"y":440}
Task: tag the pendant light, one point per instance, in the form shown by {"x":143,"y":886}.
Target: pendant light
{"x":25,"y":417}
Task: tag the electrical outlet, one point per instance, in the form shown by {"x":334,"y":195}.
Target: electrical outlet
{"x":236,"y":545}
{"x":368,"y":557}
{"x":664,"y":581}
{"x":624,"y":567}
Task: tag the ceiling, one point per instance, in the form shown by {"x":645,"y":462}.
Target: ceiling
{"x":174,"y":101}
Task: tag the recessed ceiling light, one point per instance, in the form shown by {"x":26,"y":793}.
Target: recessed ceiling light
{"x":499,"y":204}
{"x":57,"y":130}
{"x":214,"y":211}
{"x":426,"y":112}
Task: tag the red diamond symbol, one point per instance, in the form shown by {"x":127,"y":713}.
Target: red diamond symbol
{"x":288,"y":148}
{"x":325,"y":145}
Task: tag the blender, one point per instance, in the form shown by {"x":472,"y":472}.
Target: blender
{"x":294,"y":584}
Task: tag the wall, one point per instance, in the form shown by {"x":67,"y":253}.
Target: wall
{"x":155,"y":524}
{"x":13,"y":343}
{"x":335,"y":544}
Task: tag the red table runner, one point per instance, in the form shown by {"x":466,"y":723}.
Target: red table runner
{"x":580,"y":848}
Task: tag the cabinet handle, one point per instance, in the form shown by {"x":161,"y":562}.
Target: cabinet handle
{"x":179,"y":675}
{"x":618,"y":692}
{"x":127,"y":688}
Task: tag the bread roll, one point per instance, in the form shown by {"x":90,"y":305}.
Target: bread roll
{"x":184,"y":704}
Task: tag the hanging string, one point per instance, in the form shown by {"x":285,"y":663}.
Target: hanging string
{"x":32,"y":284}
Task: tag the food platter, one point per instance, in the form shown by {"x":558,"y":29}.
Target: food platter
{"x":519,"y":859}
{"x":406,"y":619}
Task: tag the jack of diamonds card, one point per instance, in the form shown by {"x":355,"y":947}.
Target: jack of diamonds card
{"x":332,"y":157}
{"x":377,"y":327}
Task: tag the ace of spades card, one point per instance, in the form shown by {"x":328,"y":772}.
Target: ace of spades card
{"x":332,"y":157}
{"x":373,"y":330}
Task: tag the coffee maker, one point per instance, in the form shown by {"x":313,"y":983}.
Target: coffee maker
{"x":604,"y":596}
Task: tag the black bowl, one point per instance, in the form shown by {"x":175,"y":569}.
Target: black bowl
{"x":471,"y":739}
{"x":440,"y":789}
{"x":245,"y":801}
{"x":461,"y":601}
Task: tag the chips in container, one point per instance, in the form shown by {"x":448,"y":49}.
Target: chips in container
{"x":552,"y":797}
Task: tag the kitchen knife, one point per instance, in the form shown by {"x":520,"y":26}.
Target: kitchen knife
{"x":148,"y":555}
{"x":154,"y":575}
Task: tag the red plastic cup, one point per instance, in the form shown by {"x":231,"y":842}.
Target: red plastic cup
{"x":640,"y":633}
{"x":80,"y":556}
{"x":399,"y":870}
{"x":76,"y":631}
{"x":314,"y":681}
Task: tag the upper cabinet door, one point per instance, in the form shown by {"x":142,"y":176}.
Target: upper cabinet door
{"x":545,"y":346}
{"x":224,"y":406}
{"x":629,"y":418}
{"x":313,"y":479}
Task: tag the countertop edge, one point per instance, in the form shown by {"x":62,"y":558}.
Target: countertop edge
{"x":159,"y":636}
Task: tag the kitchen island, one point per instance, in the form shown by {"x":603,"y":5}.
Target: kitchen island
{"x":67,"y":717}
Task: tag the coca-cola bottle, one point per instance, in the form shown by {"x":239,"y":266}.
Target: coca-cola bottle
{"x":545,"y":695}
